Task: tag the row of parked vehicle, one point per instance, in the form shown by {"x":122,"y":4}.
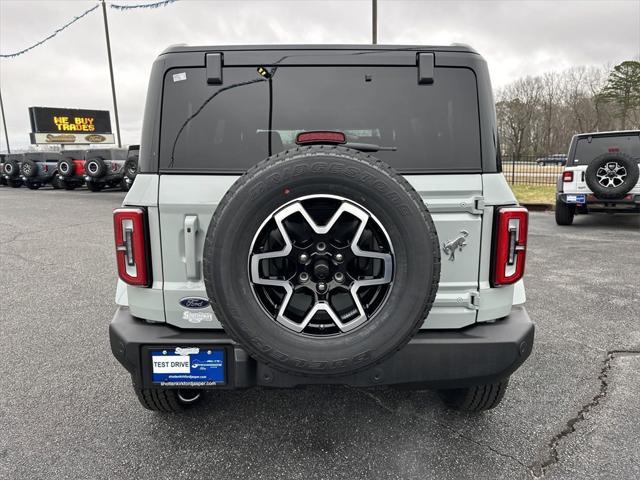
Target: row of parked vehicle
{"x":70,"y":169}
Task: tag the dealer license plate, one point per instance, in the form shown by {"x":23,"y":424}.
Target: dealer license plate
{"x":188,"y":366}
{"x":580,"y":198}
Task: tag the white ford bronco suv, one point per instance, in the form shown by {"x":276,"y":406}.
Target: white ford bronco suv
{"x":320,"y":215}
{"x":601,"y":175}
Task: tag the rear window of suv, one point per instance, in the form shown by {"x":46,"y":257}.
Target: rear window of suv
{"x":434,"y":127}
{"x":588,"y":148}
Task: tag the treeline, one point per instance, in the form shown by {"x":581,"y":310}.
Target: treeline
{"x":539,"y":115}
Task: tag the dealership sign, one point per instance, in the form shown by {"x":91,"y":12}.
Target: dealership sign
{"x":70,"y":126}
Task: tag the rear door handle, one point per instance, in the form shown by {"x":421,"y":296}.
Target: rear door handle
{"x":190,"y":234}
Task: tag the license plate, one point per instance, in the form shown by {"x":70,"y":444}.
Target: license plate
{"x":581,"y":198}
{"x":188,"y":366}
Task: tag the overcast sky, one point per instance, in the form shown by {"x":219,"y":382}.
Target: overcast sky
{"x":517,"y":38}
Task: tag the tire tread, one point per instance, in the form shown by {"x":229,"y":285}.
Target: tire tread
{"x":158,"y":400}
{"x":475,"y":399}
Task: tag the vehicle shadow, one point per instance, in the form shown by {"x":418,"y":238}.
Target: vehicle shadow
{"x":363,"y":433}
{"x":603,"y":221}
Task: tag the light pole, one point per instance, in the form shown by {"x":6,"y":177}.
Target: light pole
{"x":113,"y":85}
{"x":374,"y":21}
{"x":4,"y":123}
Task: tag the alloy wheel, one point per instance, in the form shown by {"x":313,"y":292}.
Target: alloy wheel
{"x":321,"y":265}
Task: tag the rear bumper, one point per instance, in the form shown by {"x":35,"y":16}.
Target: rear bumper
{"x":476,"y":355}
{"x":630,"y":203}
{"x":38,"y":179}
{"x":72,"y":180}
{"x":112,"y":177}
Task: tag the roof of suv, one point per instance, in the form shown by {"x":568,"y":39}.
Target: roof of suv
{"x":203,"y":48}
{"x":608,"y":134}
{"x":41,"y":156}
{"x":182,"y":57}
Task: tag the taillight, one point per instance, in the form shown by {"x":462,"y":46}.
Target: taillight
{"x":567,"y":176}
{"x":130,"y":228}
{"x":510,"y":244}
{"x":305,"y":138}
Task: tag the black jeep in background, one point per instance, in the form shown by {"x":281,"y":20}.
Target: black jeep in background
{"x":11,"y":169}
{"x":39,"y":169}
{"x":3,"y":181}
{"x":105,"y":168}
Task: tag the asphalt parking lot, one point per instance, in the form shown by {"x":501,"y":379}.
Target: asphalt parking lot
{"x":67,"y":409}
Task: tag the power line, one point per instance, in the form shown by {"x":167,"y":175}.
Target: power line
{"x":56,"y":32}
{"x":142,"y":5}
{"x":84,"y":14}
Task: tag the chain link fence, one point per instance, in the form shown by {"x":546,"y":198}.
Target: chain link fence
{"x":533,"y":170}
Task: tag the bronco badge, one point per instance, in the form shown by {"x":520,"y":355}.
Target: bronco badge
{"x":457,"y":243}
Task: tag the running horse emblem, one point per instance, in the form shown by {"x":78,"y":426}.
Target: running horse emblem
{"x":457,"y":243}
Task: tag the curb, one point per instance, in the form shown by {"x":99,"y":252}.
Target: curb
{"x":538,"y":207}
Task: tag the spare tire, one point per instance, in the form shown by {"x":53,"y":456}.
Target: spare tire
{"x":131,"y":168}
{"x":612,"y":175}
{"x":29,"y":168}
{"x":321,"y":261}
{"x":95,"y":167}
{"x":65,"y":167}
{"x":11,"y":168}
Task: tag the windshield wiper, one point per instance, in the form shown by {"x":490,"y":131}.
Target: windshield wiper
{"x":369,"y":147}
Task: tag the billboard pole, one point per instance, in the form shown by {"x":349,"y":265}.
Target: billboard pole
{"x":4,"y":123}
{"x":113,"y":85}
{"x":374,"y":21}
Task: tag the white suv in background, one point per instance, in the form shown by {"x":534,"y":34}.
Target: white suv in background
{"x":601,"y":175}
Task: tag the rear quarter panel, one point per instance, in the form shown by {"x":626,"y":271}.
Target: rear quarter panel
{"x":455,"y":202}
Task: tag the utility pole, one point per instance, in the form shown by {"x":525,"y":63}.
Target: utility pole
{"x":374,"y":21}
{"x":4,"y":122}
{"x":113,"y":85}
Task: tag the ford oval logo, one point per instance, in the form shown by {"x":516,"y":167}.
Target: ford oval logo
{"x":194,"y":302}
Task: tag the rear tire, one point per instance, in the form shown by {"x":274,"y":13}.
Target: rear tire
{"x":475,"y":399}
{"x":166,"y":401}
{"x":564,"y":212}
{"x":14,"y":183}
{"x":55,"y":182}
{"x":33,"y":186}
{"x":95,"y":187}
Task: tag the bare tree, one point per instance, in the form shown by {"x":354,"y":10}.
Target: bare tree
{"x":516,"y":107}
{"x":538,"y":115}
{"x":550,"y":96}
